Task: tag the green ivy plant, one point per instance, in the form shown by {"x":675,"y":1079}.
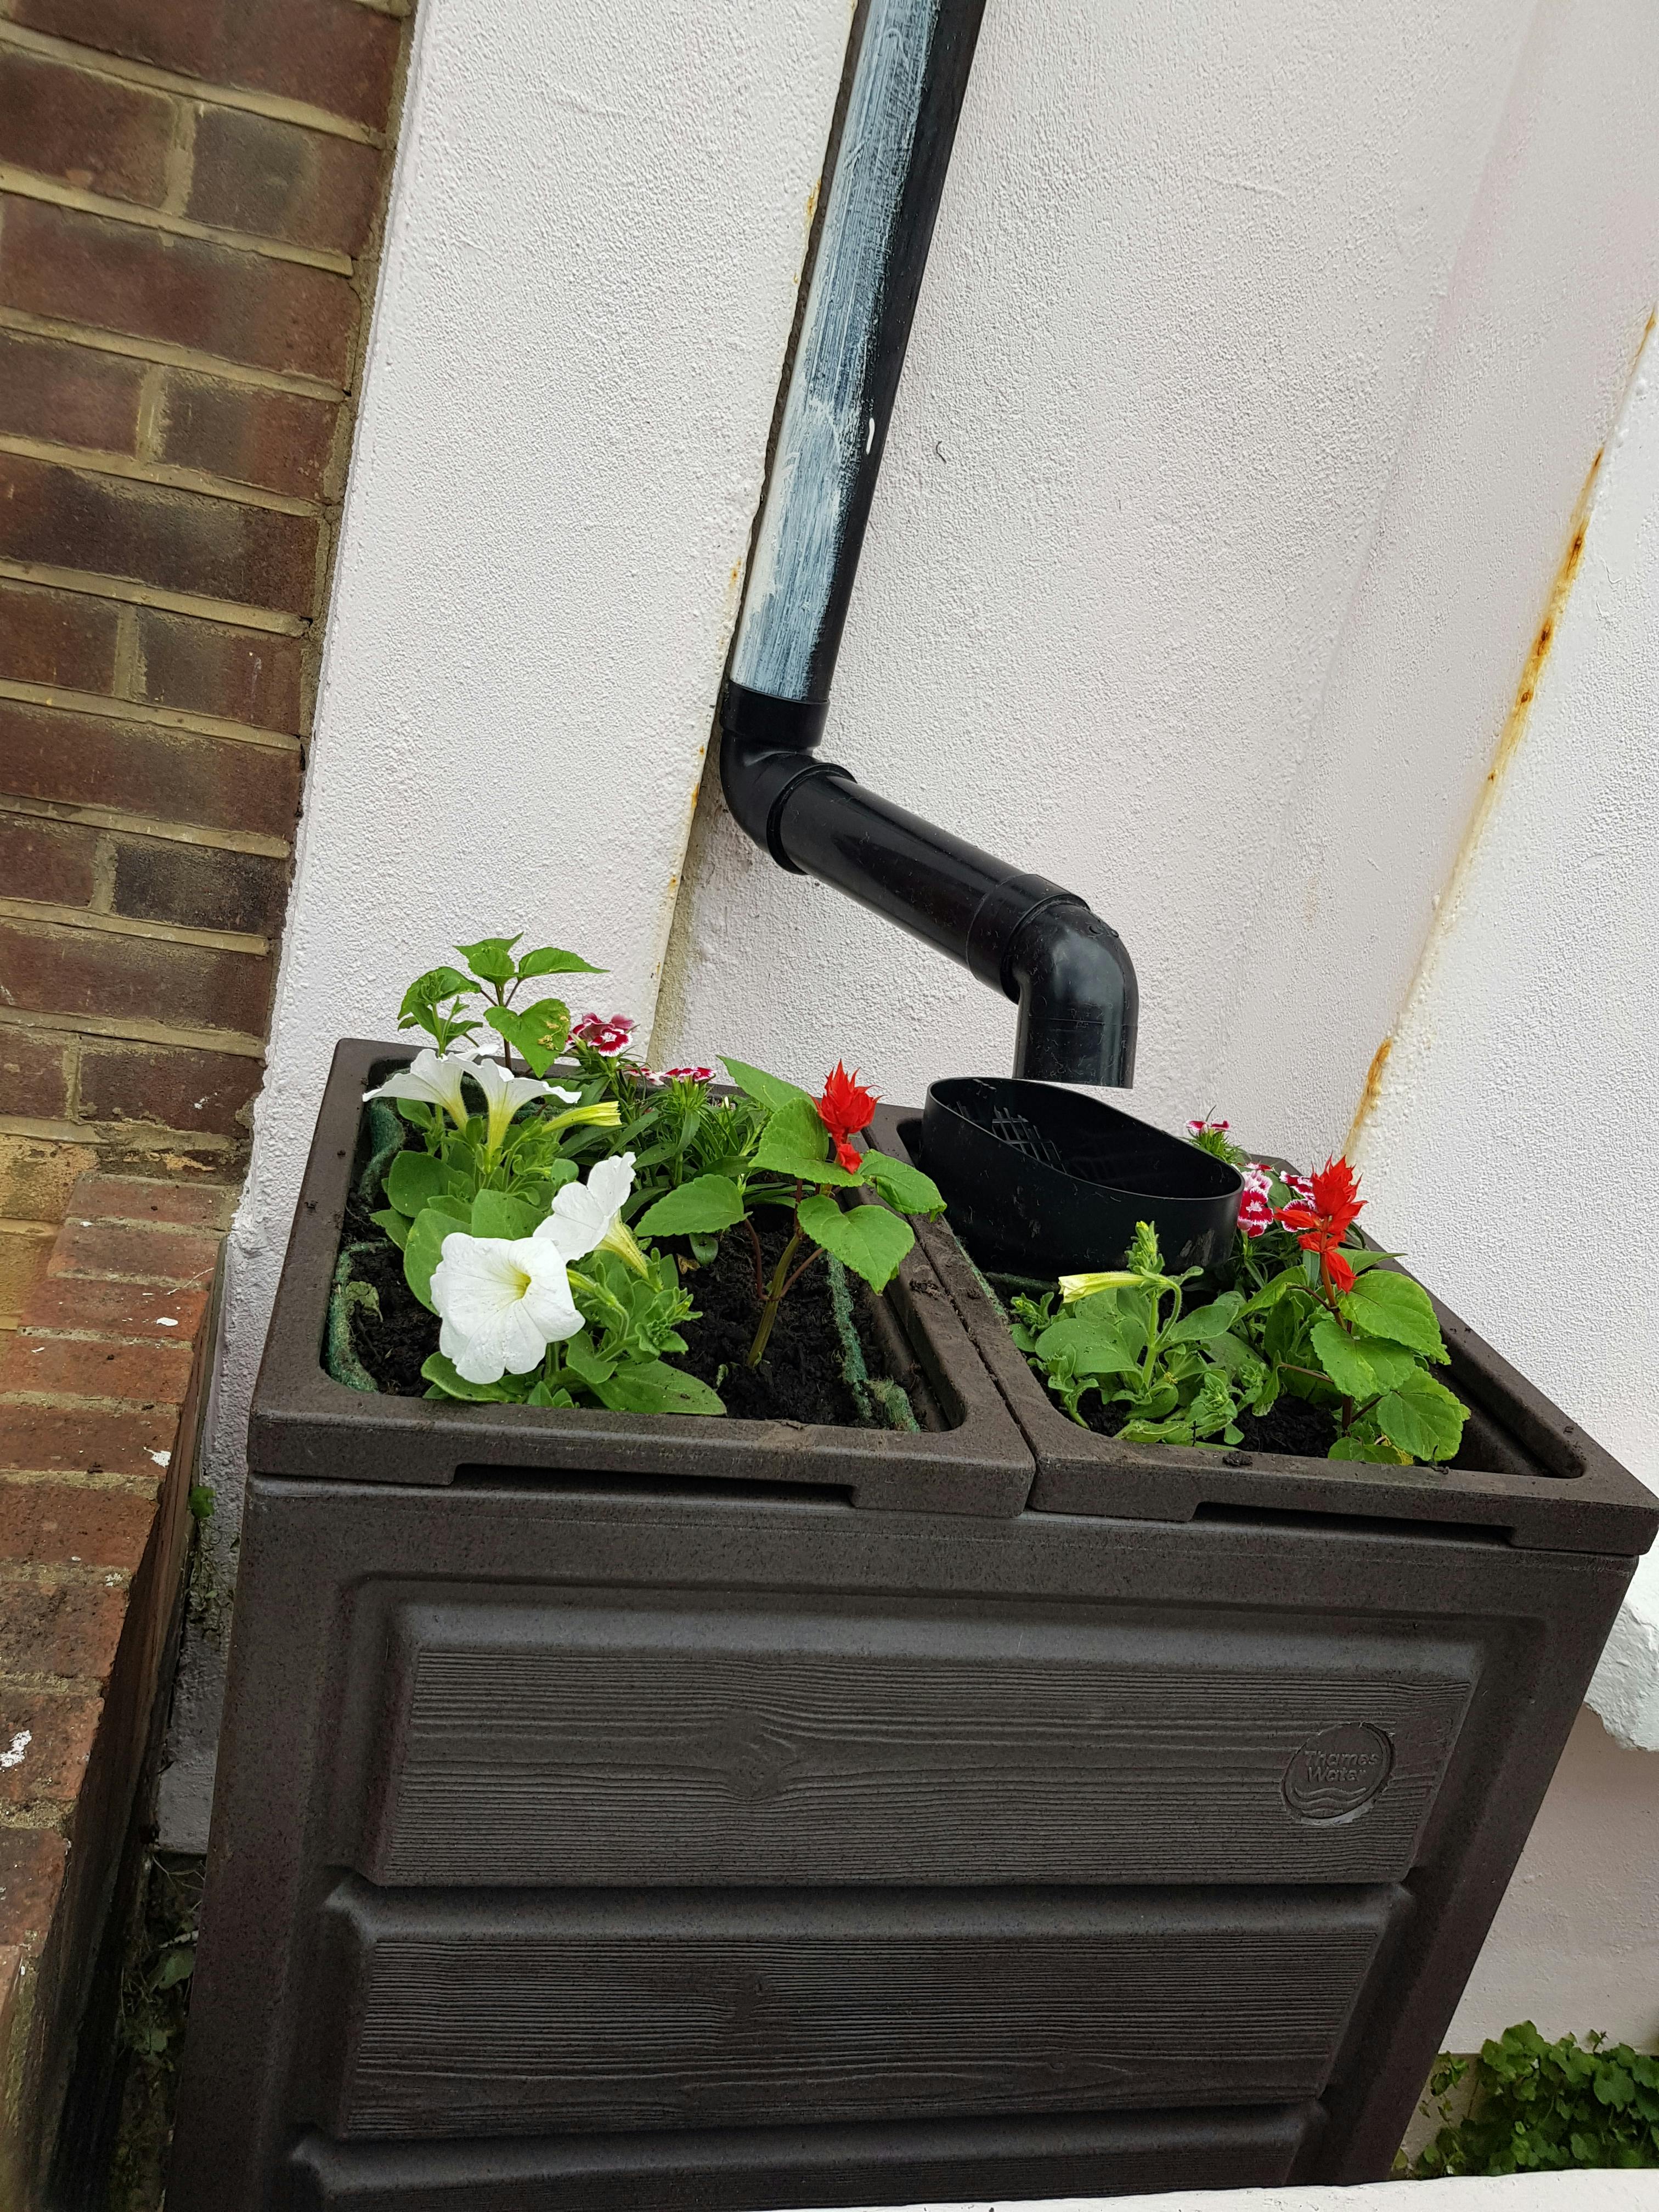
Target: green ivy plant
{"x":1540,"y":2107}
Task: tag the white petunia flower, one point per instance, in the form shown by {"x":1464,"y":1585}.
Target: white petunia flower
{"x":502,"y":1301}
{"x":586,"y":1216}
{"x":503,"y":1096}
{"x":432,"y":1080}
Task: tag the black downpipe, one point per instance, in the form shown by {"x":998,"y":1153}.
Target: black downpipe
{"x":1031,"y":939}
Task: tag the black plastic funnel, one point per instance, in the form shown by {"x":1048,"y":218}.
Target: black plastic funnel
{"x":1042,"y":1180}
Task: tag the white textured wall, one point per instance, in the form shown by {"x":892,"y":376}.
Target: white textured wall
{"x":1509,"y":1139}
{"x":596,"y":232}
{"x":1261,"y":356}
{"x":1575,"y":1942}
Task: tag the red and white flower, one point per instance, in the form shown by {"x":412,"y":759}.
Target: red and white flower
{"x":685,"y":1075}
{"x":1200,"y":1128}
{"x":608,"y":1034}
{"x":1256,"y":1208}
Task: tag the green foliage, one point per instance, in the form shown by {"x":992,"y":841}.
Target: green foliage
{"x":1129,"y":1342}
{"x":1363,"y":1353}
{"x":439,"y":1002}
{"x":1541,"y":2107}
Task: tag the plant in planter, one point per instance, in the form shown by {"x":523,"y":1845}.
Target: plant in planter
{"x":1319,"y":1320}
{"x":548,"y":1287}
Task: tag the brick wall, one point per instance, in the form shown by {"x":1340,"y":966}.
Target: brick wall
{"x":190,"y":192}
{"x":100,"y":1387}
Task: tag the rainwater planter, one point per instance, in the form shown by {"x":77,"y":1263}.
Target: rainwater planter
{"x":627,"y":1813}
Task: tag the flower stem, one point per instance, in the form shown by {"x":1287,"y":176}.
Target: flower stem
{"x":779,"y":1283}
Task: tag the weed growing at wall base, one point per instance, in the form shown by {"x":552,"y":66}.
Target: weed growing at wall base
{"x":1542,"y":2107}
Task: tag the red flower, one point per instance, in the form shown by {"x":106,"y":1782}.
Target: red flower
{"x":1324,"y":1218}
{"x":608,"y":1036}
{"x":844,"y":1110}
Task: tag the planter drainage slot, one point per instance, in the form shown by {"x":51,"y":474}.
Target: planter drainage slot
{"x":1044,"y":1181}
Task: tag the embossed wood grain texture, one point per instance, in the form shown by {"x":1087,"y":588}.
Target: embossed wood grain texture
{"x":585,"y":1746}
{"x":469,"y":2017}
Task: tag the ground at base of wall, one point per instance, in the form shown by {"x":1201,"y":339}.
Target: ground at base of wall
{"x":155,"y":2002}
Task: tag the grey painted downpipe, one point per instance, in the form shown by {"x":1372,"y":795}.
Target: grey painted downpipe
{"x":1035,"y":942}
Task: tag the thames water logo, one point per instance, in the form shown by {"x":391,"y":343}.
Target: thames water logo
{"x":1337,"y":1772}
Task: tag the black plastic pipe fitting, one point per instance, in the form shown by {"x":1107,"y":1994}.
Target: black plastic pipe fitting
{"x":1035,"y":941}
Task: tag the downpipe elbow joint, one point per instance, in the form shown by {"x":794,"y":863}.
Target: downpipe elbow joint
{"x":766,"y":752}
{"x":1079,"y":1004}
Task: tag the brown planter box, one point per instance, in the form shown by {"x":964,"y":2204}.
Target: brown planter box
{"x":619,"y":1815}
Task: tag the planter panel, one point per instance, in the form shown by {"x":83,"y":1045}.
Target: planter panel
{"x":711,"y":2171}
{"x":582,"y":2012}
{"x":1525,"y":1471}
{"x":806,"y":1741}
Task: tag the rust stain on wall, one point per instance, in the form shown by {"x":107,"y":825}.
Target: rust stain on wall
{"x":1509,"y":741}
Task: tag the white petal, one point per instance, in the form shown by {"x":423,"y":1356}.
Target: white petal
{"x":566,"y":1097}
{"x":611,"y":1181}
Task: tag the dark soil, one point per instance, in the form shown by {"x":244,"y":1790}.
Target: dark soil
{"x":799,"y":1379}
{"x":1293,"y":1425}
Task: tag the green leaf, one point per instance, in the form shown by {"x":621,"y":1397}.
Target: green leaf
{"x":413,"y":1179}
{"x":585,"y":1363}
{"x":770,"y":1090}
{"x":1280,"y":1287}
{"x":491,"y":958}
{"x":1384,"y":1304}
{"x":794,"y":1142}
{"x":495,"y":1215}
{"x":1359,"y":1367}
{"x":708,"y":1203}
{"x":1422,"y":1417}
{"x":1213,"y":1320}
{"x":548,"y":960}
{"x":905,"y":1188}
{"x":1357,"y":1448}
{"x":654,"y":1386}
{"x":537,"y":1034}
{"x":868,"y":1239}
{"x":1091,"y":1348}
{"x":397,"y":1225}
{"x":429,"y":991}
{"x":441,"y":1372}
{"x":177,"y":1967}
{"x":424,"y":1249}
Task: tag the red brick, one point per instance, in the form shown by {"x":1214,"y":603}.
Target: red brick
{"x":274,"y":439}
{"x":147,"y":1198}
{"x":63,"y":1520}
{"x":239,"y":675}
{"x":56,"y":637}
{"x":88,"y":130}
{"x":91,"y":1367}
{"x":222,"y":299}
{"x":332,"y":53}
{"x":71,"y":1440}
{"x":50,"y":968}
{"x":30,"y":1876}
{"x":182,"y":541}
{"x":280,"y":180}
{"x":64,"y":1628}
{"x":45,"y":860}
{"x":33,"y":1075}
{"x":197,"y":886}
{"x":91,"y":760}
{"x":72,"y":394}
{"x":205,"y":1092}
{"x":138,"y":1251}
{"x":54,"y":1733}
{"x":142,"y":1311}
